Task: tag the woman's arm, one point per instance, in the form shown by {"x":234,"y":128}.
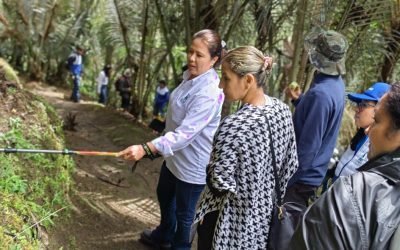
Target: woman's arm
{"x":201,"y":111}
{"x":224,"y":160}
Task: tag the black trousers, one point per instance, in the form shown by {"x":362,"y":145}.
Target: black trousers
{"x":205,"y":231}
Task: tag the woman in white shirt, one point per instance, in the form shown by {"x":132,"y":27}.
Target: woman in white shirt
{"x":192,"y":118}
{"x":102,"y":84}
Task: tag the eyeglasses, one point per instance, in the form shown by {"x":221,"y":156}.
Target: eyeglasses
{"x":362,"y":105}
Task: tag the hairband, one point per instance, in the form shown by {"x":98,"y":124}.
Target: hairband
{"x":267,"y":63}
{"x":223,"y":44}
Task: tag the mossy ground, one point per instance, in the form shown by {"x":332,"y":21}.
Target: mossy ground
{"x":32,"y":186}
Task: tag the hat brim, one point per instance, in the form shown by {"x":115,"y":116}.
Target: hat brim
{"x":356,"y":97}
{"x":327,"y":66}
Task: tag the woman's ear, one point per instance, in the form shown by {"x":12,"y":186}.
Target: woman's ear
{"x":250,"y":80}
{"x":214,"y":60}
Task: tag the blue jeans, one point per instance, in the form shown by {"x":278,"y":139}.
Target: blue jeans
{"x":103,"y":94}
{"x":75,"y":91}
{"x":177,"y":201}
{"x":159,"y":109}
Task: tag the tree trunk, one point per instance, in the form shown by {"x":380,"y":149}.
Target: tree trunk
{"x":169,"y":43}
{"x":297,"y":39}
{"x":125,"y":36}
{"x":188,"y":23}
{"x":151,"y":79}
{"x":109,"y":55}
{"x":142,"y":64}
{"x":236,"y":19}
{"x":264,"y":23}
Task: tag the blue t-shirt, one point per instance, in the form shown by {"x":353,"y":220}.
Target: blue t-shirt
{"x":162,"y":96}
{"x":317,"y":120}
{"x":76,"y":66}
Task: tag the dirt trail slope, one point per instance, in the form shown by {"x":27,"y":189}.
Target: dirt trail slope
{"x":111,"y":205}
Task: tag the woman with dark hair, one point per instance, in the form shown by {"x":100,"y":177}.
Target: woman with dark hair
{"x":236,"y":207}
{"x":102,"y":84}
{"x":356,"y":154}
{"x":361,"y":211}
{"x":193,"y":115}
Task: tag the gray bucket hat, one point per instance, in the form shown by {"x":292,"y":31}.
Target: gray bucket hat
{"x":128,"y":72}
{"x":327,"y":51}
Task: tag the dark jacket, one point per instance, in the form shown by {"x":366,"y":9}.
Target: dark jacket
{"x":123,"y":85}
{"x":361,"y":211}
{"x":317,"y":120}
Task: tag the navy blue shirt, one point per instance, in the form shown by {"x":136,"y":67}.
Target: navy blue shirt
{"x":317,"y":120}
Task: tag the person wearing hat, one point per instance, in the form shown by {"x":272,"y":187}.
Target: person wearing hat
{"x":75,"y":66}
{"x":318,"y":113}
{"x":356,"y":153}
{"x":362,"y":211}
{"x":124,"y":86}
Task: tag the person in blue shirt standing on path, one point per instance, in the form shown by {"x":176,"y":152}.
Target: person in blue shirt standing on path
{"x":318,"y":114}
{"x":75,"y":66}
{"x":193,"y":116}
{"x":161,"y":99}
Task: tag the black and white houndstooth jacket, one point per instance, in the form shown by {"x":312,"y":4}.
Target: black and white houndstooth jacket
{"x":241,"y":173}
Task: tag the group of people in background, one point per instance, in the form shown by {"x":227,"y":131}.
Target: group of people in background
{"x":123,"y":84}
{"x":217,"y":178}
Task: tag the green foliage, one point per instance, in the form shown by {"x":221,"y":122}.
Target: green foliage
{"x":32,"y":186}
{"x":179,"y":53}
{"x":9,"y":181}
{"x":9,"y":72}
{"x":88,"y":89}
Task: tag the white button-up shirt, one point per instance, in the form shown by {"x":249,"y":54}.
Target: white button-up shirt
{"x":102,"y":79}
{"x":193,"y":116}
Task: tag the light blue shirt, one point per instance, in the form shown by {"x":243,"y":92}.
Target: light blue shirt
{"x":193,"y":116}
{"x":352,"y":160}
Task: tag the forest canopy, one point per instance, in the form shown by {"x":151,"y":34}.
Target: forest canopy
{"x":150,"y":37}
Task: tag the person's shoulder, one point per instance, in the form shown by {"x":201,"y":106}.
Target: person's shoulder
{"x":356,"y":183}
{"x":329,"y":85}
{"x":279,"y":105}
{"x":239,"y":121}
{"x":240,"y":115}
{"x":323,"y":96}
{"x":209,"y":89}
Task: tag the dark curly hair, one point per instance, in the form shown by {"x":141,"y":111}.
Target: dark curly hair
{"x":393,"y":104}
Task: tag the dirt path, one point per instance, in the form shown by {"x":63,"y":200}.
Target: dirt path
{"x":104,"y":216}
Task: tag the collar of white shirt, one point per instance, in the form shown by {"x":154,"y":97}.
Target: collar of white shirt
{"x":186,"y":76}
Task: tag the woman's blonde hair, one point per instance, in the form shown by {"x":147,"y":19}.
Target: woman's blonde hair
{"x":249,"y":60}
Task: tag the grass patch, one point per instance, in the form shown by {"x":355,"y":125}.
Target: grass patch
{"x":32,"y":186}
